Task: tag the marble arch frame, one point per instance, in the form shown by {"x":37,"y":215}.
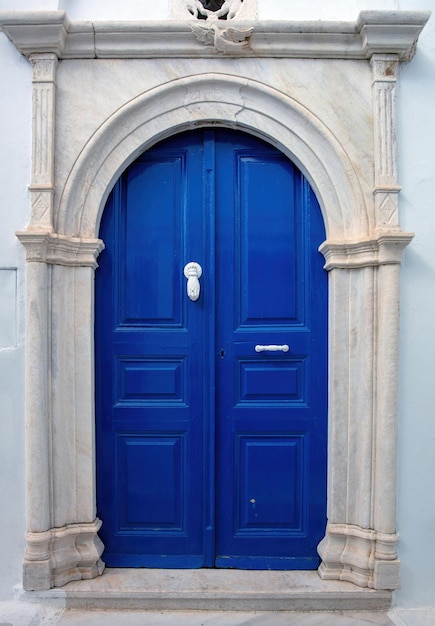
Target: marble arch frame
{"x":362,"y":252}
{"x":214,"y":99}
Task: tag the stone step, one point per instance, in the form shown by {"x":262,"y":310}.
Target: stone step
{"x":73,"y":617}
{"x":216,"y":590}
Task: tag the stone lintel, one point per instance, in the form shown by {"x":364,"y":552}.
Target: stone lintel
{"x":374,"y":32}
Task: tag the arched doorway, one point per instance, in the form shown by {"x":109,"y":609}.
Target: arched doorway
{"x":362,"y":253}
{"x":212,"y":407}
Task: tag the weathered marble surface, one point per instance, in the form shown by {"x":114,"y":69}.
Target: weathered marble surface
{"x":335,"y":93}
{"x":215,"y":589}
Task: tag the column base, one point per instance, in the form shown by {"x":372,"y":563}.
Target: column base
{"x":361,"y":556}
{"x":61,"y":555}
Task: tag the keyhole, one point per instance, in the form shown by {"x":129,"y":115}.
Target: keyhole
{"x":222,"y":353}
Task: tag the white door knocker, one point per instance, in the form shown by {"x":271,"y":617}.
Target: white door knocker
{"x":193,"y":271}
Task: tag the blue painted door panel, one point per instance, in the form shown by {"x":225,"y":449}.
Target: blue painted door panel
{"x":210,"y":453}
{"x":271,"y":406}
{"x":150,"y":417}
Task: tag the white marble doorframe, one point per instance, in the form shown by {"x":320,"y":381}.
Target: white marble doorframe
{"x":323,"y":94}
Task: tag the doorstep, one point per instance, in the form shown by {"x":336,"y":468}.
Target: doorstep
{"x":217,"y":590}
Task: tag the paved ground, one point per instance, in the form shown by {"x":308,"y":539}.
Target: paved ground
{"x":13,"y":614}
{"x":71,"y":617}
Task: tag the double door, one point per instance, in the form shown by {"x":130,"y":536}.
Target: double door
{"x":211,"y":367}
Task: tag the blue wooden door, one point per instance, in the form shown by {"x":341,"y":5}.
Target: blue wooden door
{"x":211,"y":414}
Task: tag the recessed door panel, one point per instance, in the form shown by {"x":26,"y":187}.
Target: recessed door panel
{"x":265,"y":221}
{"x":151,"y":495}
{"x":271,"y":381}
{"x":266,"y":461}
{"x":153,"y":240}
{"x":151,"y":381}
{"x":211,"y":411}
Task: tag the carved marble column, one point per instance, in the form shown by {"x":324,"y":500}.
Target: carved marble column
{"x":392,"y":241}
{"x":38,"y":296}
{"x":62,"y":540}
{"x":38,"y":450}
{"x":360,"y":545}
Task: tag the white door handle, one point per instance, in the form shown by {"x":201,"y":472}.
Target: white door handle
{"x":193,"y":271}
{"x":272,"y":348}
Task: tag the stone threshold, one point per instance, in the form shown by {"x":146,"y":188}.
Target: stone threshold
{"x":217,"y":590}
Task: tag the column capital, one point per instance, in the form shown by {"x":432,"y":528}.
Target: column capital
{"x":46,"y":247}
{"x":44,"y":67}
{"x":384,"y":67}
{"x":384,"y":249}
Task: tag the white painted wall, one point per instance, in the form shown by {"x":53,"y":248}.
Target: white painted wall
{"x":15,"y":123}
{"x":319,"y":9}
{"x":416,"y":142}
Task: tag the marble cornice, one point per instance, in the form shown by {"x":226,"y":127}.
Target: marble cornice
{"x":44,"y":247}
{"x":374,"y":32}
{"x":36,"y":32}
{"x":385,"y":249}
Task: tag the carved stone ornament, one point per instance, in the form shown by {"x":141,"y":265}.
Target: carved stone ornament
{"x":226,"y":40}
{"x":214,"y":9}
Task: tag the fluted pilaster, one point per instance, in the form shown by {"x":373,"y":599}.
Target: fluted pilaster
{"x":43,"y":112}
{"x":386,"y":189}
